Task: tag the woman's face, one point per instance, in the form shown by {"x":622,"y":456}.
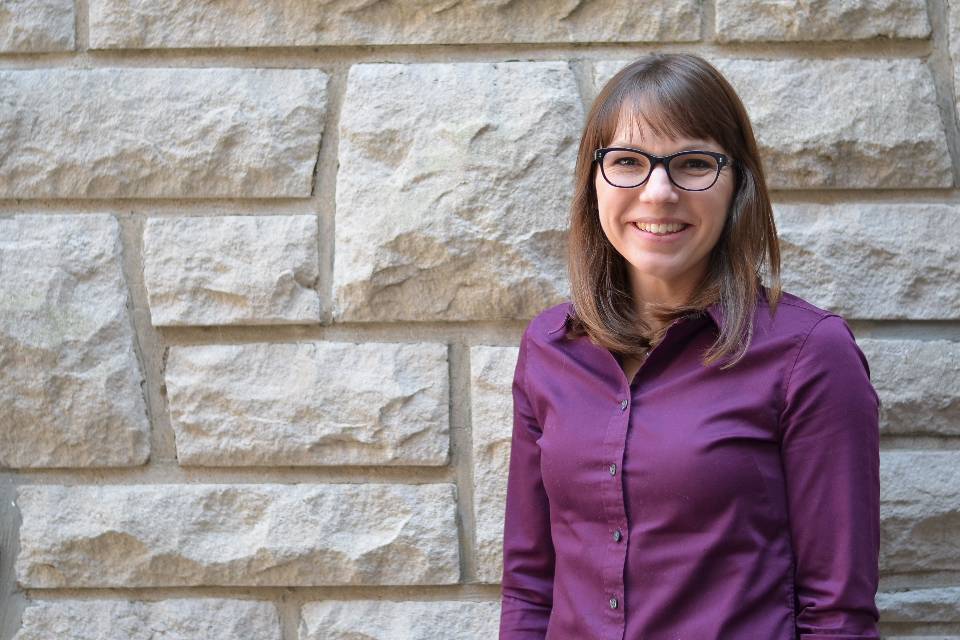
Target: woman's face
{"x":663,"y":266}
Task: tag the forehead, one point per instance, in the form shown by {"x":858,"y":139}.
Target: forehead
{"x":639,"y":123}
{"x":641,"y":135}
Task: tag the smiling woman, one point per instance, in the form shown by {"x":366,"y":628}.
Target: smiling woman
{"x":653,"y":492}
{"x":633,"y":169}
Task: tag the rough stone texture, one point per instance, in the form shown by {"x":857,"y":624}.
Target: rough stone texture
{"x":69,"y":378}
{"x":386,"y":620}
{"x":177,"y":619}
{"x":491,"y":376}
{"x":310,"y":403}
{"x":773,"y":20}
{"x":143,"y":133}
{"x":874,"y":261}
{"x":231,"y":270}
{"x":453,"y":190}
{"x":242,"y":23}
{"x":237,"y":535}
{"x":939,"y":604}
{"x":918,"y":382}
{"x":848,"y":123}
{"x":31,"y":26}
{"x":919,"y":511}
{"x":953,"y":39}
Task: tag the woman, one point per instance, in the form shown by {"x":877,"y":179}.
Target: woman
{"x":695,"y":456}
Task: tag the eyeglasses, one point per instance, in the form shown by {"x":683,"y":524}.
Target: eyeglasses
{"x":689,"y":170}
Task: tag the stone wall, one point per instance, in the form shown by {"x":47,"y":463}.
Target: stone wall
{"x":264,"y":265}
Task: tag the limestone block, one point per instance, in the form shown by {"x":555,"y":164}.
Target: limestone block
{"x":453,"y":190}
{"x":774,"y":20}
{"x":317,"y":403}
{"x":129,"y":24}
{"x":70,"y":393}
{"x":953,"y":40}
{"x":226,"y":270}
{"x":175,"y":619}
{"x":160,"y":133}
{"x":935,"y":604}
{"x":847,"y":123}
{"x":939,"y":636}
{"x":874,"y":261}
{"x":32,"y":26}
{"x":918,"y":382}
{"x":491,"y":410}
{"x":237,"y":535}
{"x":388,"y":620}
{"x":919,"y":511}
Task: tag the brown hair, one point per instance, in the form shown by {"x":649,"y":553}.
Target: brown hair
{"x":676,"y":95}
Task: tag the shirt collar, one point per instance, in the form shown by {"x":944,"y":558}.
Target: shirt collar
{"x":715,"y":311}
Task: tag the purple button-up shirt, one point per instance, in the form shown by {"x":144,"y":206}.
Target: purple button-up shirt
{"x":694,"y":503}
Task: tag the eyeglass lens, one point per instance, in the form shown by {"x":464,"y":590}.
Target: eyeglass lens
{"x":688,"y":171}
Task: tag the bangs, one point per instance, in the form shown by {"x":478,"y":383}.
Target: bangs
{"x":652,"y":109}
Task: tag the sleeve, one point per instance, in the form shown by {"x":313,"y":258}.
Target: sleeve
{"x":830,"y":448}
{"x":528,"y":554}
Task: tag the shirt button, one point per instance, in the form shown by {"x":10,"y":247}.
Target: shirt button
{"x":613,"y":469}
{"x":613,"y":603}
{"x":623,"y":404}
{"x":617,"y":535}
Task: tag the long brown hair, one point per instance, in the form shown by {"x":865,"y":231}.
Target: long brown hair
{"x":675,"y":95}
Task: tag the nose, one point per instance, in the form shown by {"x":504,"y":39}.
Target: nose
{"x":658,"y":187}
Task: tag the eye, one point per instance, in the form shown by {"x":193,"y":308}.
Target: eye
{"x":696,"y":163}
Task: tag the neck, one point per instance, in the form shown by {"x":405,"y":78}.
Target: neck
{"x":654,"y":291}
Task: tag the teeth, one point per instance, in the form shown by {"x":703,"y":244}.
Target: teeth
{"x":660,"y":229}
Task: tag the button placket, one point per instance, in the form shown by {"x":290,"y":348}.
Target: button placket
{"x":612,"y":496}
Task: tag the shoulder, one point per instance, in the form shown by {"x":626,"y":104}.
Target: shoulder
{"x":548,"y":322}
{"x":823,"y":341}
{"x":803,"y":323}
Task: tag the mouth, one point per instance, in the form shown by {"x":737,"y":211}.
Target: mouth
{"x":661,"y":231}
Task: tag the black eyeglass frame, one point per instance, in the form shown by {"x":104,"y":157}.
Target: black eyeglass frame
{"x":722,"y":161}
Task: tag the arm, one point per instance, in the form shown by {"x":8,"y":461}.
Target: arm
{"x":528,"y":555}
{"x":830,"y":448}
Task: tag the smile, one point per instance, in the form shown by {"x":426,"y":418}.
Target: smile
{"x":661,"y":229}
{"x":662,"y":232}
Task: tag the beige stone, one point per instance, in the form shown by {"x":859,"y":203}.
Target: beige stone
{"x":174,"y":619}
{"x":491,"y":411}
{"x":160,"y":133}
{"x":846,"y":123}
{"x":873,"y":260}
{"x":453,"y":190}
{"x":953,"y":43}
{"x":934,"y":604}
{"x":919,"y":511}
{"x":223,"y":270}
{"x":237,"y":535}
{"x":397,"y":620}
{"x":128,"y":24}
{"x":316,"y":403}
{"x":918,"y":382}
{"x":32,"y":26}
{"x":775,"y":20}
{"x":70,"y":382}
